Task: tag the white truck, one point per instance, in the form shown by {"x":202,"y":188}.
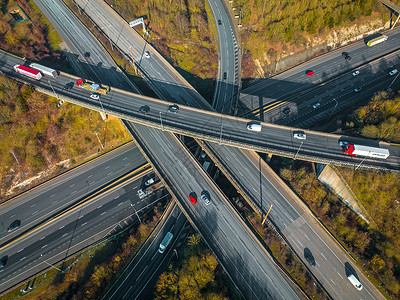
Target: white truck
{"x":45,"y":70}
{"x":165,"y":242}
{"x":360,"y":150}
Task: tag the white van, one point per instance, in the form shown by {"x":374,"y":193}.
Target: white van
{"x":353,"y":279}
{"x":254,"y":127}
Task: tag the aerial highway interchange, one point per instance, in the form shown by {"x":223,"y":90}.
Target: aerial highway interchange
{"x":58,"y":87}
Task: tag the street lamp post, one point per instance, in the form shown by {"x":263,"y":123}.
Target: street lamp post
{"x":362,"y":161}
{"x":333,"y":108}
{"x":53,"y":89}
{"x":393,"y":81}
{"x":162,"y":127}
{"x":301,"y":144}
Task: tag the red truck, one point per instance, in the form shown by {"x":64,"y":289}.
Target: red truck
{"x":28,"y":72}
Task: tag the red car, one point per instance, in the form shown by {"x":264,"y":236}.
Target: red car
{"x":309,"y":73}
{"x":192,"y":198}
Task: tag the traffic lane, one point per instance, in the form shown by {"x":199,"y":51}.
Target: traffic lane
{"x":299,"y":228}
{"x":67,"y":188}
{"x":140,"y":282}
{"x":74,"y":231}
{"x":359,"y":53}
{"x":80,"y":40}
{"x":128,"y":40}
{"x":258,"y":186}
{"x":233,"y":134}
{"x":344,"y":95}
{"x":255,"y":280}
{"x":329,"y":258}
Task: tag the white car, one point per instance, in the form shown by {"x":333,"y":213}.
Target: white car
{"x":147,"y":54}
{"x":316,"y":105}
{"x":393,"y":72}
{"x":95,"y":96}
{"x":355,"y":73}
{"x":299,"y":135}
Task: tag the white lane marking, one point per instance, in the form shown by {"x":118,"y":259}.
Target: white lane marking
{"x":127,"y":292}
{"x":102,"y":213}
{"x":35,"y":212}
{"x":141,"y":273}
{"x":22,"y":258}
{"x":12,"y":216}
{"x":52,"y":195}
{"x":84,"y":224}
{"x":333,"y":282}
{"x":64,"y":235}
{"x":106,"y":167}
{"x":92,"y":182}
{"x":100,"y":206}
{"x":339,"y":275}
{"x":109,"y":173}
{"x":20,"y":250}
{"x":54,"y":202}
{"x":127,"y":164}
{"x":44,"y":246}
{"x":72,"y":185}
{"x":90,"y":176}
{"x":125,"y":158}
{"x":323,"y":255}
{"x":120,"y":203}
{"x":33,"y":205}
{"x":62,"y":227}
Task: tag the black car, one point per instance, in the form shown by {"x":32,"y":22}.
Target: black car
{"x":173,"y":108}
{"x":286,"y":110}
{"x":3,"y":261}
{"x":225,"y":75}
{"x":86,"y":54}
{"x":69,"y":86}
{"x":219,"y":22}
{"x":309,"y":257}
{"x":14,"y":225}
{"x":145,"y":109}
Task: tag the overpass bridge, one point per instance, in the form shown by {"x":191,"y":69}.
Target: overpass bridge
{"x":212,"y":126}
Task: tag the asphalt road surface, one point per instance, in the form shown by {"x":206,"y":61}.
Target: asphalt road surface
{"x":325,"y":67}
{"x":139,"y":278}
{"x":320,"y":147}
{"x":98,"y":219}
{"x":228,"y":80}
{"x":255,"y":275}
{"x":48,"y":199}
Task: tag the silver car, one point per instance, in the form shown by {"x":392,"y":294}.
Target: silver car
{"x":205,"y":197}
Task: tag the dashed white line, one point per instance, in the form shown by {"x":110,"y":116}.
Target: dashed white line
{"x":109,"y":173}
{"x":141,"y":273}
{"x":90,"y":176}
{"x":22,"y":258}
{"x":127,"y":164}
{"x":20,"y":250}
{"x":84,"y":224}
{"x":72,"y":185}
{"x":52,"y":195}
{"x":35,"y":212}
{"x":33,"y":205}
{"x":102,"y":213}
{"x":106,"y":167}
{"x":44,"y":246}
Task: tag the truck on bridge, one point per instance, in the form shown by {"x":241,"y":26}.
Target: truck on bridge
{"x":94,"y":87}
{"x":166,"y":240}
{"x":360,"y":150}
{"x":45,"y":70}
{"x":149,"y":189}
{"x":377,"y":40}
{"x":28,"y":72}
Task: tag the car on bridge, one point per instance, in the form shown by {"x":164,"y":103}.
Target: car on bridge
{"x":173,"y":108}
{"x":14,"y":225}
{"x":358,"y":89}
{"x":393,"y":72}
{"x":300,"y":135}
{"x":309,"y":73}
{"x":355,"y":73}
{"x":145,"y":109}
